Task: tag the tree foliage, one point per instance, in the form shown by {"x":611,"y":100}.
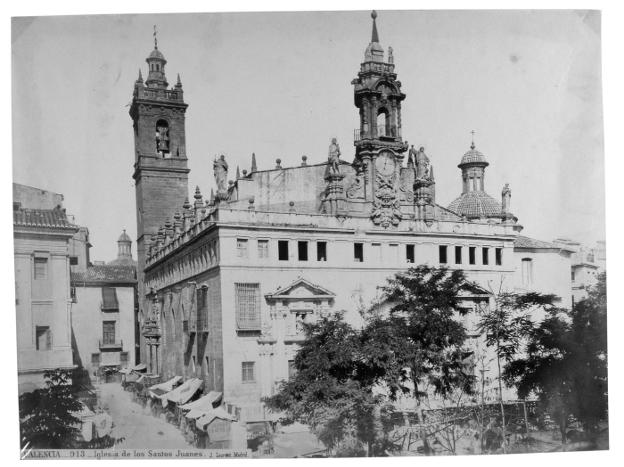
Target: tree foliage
{"x":565,"y":363}
{"x":332,"y":390}
{"x":418,"y":343}
{"x":47,"y":417}
{"x":413,"y":346}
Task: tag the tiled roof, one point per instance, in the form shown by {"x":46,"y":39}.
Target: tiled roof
{"x":525,"y":242}
{"x":42,"y":218}
{"x":105,"y":273}
{"x":475,"y":205}
{"x":473,"y":156}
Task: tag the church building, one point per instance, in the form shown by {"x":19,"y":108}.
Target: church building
{"x":225,"y":281}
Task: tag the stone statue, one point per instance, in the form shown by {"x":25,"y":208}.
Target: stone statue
{"x":411,"y":158}
{"x":506,"y":198}
{"x":334,"y":156}
{"x":220,"y":172}
{"x":423,"y":166}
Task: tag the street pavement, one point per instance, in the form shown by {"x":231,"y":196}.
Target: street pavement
{"x":136,"y":425}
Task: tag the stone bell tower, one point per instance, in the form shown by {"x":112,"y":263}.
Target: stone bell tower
{"x":378,"y":142}
{"x":160,"y":167}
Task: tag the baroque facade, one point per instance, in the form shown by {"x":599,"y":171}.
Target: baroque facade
{"x":226,"y":281}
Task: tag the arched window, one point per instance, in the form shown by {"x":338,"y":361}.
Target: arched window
{"x":382,"y":123}
{"x":162,"y":137}
{"x":527,"y":272}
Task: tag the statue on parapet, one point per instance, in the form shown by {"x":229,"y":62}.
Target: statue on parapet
{"x":220,"y":173}
{"x":423,"y":165}
{"x":333,"y":159}
{"x":506,"y":198}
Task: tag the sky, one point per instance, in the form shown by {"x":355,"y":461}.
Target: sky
{"x":278,"y":84}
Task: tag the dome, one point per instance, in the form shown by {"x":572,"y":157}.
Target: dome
{"x":472,"y":156}
{"x":156,"y":54}
{"x":476,"y":205}
{"x":124,"y":237}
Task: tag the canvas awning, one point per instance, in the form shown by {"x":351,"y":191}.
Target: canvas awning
{"x":206,"y":419}
{"x":159,"y":389}
{"x":125,"y":371}
{"x":183,"y":393}
{"x":139,"y":367}
{"x":133,"y":377}
{"x":203,"y":405}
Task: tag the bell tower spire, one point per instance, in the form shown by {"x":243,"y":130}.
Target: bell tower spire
{"x":160,"y":163}
{"x":379,"y":146}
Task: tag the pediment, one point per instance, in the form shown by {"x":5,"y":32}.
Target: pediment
{"x":301,"y":289}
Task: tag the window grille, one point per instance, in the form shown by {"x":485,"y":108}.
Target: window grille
{"x":248,"y":371}
{"x":247,"y":305}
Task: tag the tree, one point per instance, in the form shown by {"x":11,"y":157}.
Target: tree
{"x":418,"y":344}
{"x":505,"y":326}
{"x":47,"y":417}
{"x":565,"y":363}
{"x":331,"y":391}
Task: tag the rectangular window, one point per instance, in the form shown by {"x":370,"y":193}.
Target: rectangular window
{"x":123,"y":358}
{"x":292,"y":371}
{"x":472,"y":253}
{"x":248,"y":371}
{"x":409,"y":253}
{"x":73,"y":260}
{"x":485,"y":254}
{"x":282,"y":250}
{"x":207,"y":364}
{"x":458,"y":255}
{"x":41,"y":268}
{"x":109,"y":299}
{"x":263,"y":248}
{"x":527,"y":271}
{"x":241,"y":247}
{"x":442,"y":254}
{"x":321,"y":251}
{"x":302,"y":250}
{"x":573,"y":276}
{"x":247,"y":306}
{"x":376,"y":252}
{"x":108,"y":332}
{"x":95,"y":359}
{"x":44,"y":338}
{"x":358,"y":252}
{"x":498,"y":253}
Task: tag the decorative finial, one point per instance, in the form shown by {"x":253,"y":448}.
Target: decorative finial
{"x":472,"y":145}
{"x":375,"y":37}
{"x":278,"y":163}
{"x":155,"y":38}
{"x":179,"y":83}
{"x":140,"y":78}
{"x":237,"y":173}
{"x":254,"y":166}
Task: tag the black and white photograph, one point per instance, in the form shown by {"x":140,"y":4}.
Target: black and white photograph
{"x":309,"y":234}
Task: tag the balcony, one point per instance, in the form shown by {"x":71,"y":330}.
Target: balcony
{"x":106,"y":344}
{"x":109,"y":307}
{"x":381,"y":132}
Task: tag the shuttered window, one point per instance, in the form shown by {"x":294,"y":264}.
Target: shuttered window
{"x":247,"y":305}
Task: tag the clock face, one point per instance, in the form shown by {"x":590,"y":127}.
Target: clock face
{"x":385,"y":164}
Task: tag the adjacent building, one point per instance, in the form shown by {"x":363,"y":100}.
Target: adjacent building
{"x":225,"y":282}
{"x":42,"y":233}
{"x":104,"y":310}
